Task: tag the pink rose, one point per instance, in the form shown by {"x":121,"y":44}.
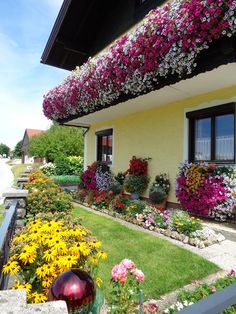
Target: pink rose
{"x":128,"y":264}
{"x":119,"y":272}
{"x":139,"y":275}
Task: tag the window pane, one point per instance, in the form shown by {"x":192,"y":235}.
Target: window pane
{"x":109,"y":149}
{"x":104,"y":148}
{"x":225,"y":137}
{"x":202,"y":139}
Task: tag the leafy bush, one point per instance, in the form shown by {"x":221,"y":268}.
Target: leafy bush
{"x":120,"y":177}
{"x":48,"y":197}
{"x":72,"y":165}
{"x":66,"y":179}
{"x":48,"y":169}
{"x":116,"y":188}
{"x":156,"y":194}
{"x":45,"y":195}
{"x":136,"y":184}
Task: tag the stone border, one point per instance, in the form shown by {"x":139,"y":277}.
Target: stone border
{"x":166,"y":232}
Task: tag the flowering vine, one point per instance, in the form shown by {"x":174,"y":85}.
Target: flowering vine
{"x":168,"y":41}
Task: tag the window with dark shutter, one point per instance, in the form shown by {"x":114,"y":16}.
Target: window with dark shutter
{"x":104,"y":145}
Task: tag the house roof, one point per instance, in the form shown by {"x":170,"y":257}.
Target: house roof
{"x":32,"y":132}
{"x":179,"y":41}
{"x":83,"y":28}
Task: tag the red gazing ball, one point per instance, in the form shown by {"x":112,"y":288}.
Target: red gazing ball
{"x":76,"y":288}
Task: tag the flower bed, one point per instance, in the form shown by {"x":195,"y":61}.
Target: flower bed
{"x":167,"y":42}
{"x":207,"y":190}
{"x":47,"y":247}
{"x":186,"y":298}
{"x":175,"y":224}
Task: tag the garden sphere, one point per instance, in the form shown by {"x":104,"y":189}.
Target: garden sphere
{"x":76,"y":288}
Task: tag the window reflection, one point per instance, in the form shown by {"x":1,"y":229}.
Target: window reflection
{"x":224,"y":137}
{"x":203,"y":139}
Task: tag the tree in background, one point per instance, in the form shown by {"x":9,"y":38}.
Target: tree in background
{"x":57,"y":142}
{"x":17,"y":150}
{"x":4,"y":150}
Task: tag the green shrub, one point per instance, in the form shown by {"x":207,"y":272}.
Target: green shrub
{"x":66,"y":179}
{"x":116,"y":188}
{"x":136,"y":184}
{"x":156,"y":194}
{"x":48,"y":169}
{"x":47,"y":197}
{"x":72,"y":165}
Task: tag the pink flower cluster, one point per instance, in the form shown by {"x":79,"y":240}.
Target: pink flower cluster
{"x":121,"y":271}
{"x":215,"y":197}
{"x":168,"y":41}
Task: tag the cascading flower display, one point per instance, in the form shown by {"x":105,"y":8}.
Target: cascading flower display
{"x":207,"y":190}
{"x":167,"y":42}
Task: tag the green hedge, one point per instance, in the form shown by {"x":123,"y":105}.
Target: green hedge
{"x":66,"y":179}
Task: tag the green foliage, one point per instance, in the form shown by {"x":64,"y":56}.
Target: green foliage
{"x":4,"y":150}
{"x":136,"y":208}
{"x":184,"y":223}
{"x":120,"y":177}
{"x":17,"y":150}
{"x":71,"y":165}
{"x":116,"y":188}
{"x":156,"y":194}
{"x":66,"y":179}
{"x":205,"y":290}
{"x":136,"y":184}
{"x":46,"y":196}
{"x":57,"y":141}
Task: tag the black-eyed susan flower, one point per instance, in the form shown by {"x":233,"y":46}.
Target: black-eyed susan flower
{"x":102,"y":255}
{"x":11,"y":268}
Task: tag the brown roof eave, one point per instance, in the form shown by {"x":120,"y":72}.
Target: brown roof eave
{"x":57,"y":25}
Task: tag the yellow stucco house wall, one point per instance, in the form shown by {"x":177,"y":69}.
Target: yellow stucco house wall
{"x":160,"y":133}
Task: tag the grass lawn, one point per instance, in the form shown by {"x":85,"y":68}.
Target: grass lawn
{"x":166,"y":266}
{"x":17,"y":170}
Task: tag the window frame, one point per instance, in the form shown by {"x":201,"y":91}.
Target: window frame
{"x":212,"y":113}
{"x":99,"y":135}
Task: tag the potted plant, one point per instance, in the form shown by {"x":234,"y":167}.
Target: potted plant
{"x":136,"y":185}
{"x":159,"y":190}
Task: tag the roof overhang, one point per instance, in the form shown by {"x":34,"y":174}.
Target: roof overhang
{"x":83,"y":28}
{"x":219,"y":78}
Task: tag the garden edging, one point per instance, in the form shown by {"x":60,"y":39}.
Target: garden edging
{"x":166,"y":233}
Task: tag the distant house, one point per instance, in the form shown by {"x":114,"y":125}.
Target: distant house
{"x":29,"y":133}
{"x":165,"y":90}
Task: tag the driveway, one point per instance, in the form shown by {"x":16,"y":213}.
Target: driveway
{"x":6,"y":177}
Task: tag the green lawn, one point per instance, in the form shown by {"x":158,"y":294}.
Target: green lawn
{"x":17,"y":170}
{"x":166,"y":266}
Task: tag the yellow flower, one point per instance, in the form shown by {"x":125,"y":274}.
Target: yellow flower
{"x":93,"y":260}
{"x":83,"y":248}
{"x":11,"y":268}
{"x":18,"y":285}
{"x":45,"y":270}
{"x":69,"y":261}
{"x":98,"y":282}
{"x":95,"y":244}
{"x":47,"y":282}
{"x":36,"y":297}
{"x":27,"y":256}
{"x":102,"y":255}
{"x":49,"y":255}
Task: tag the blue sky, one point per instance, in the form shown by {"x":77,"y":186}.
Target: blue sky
{"x":25,"y":26}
